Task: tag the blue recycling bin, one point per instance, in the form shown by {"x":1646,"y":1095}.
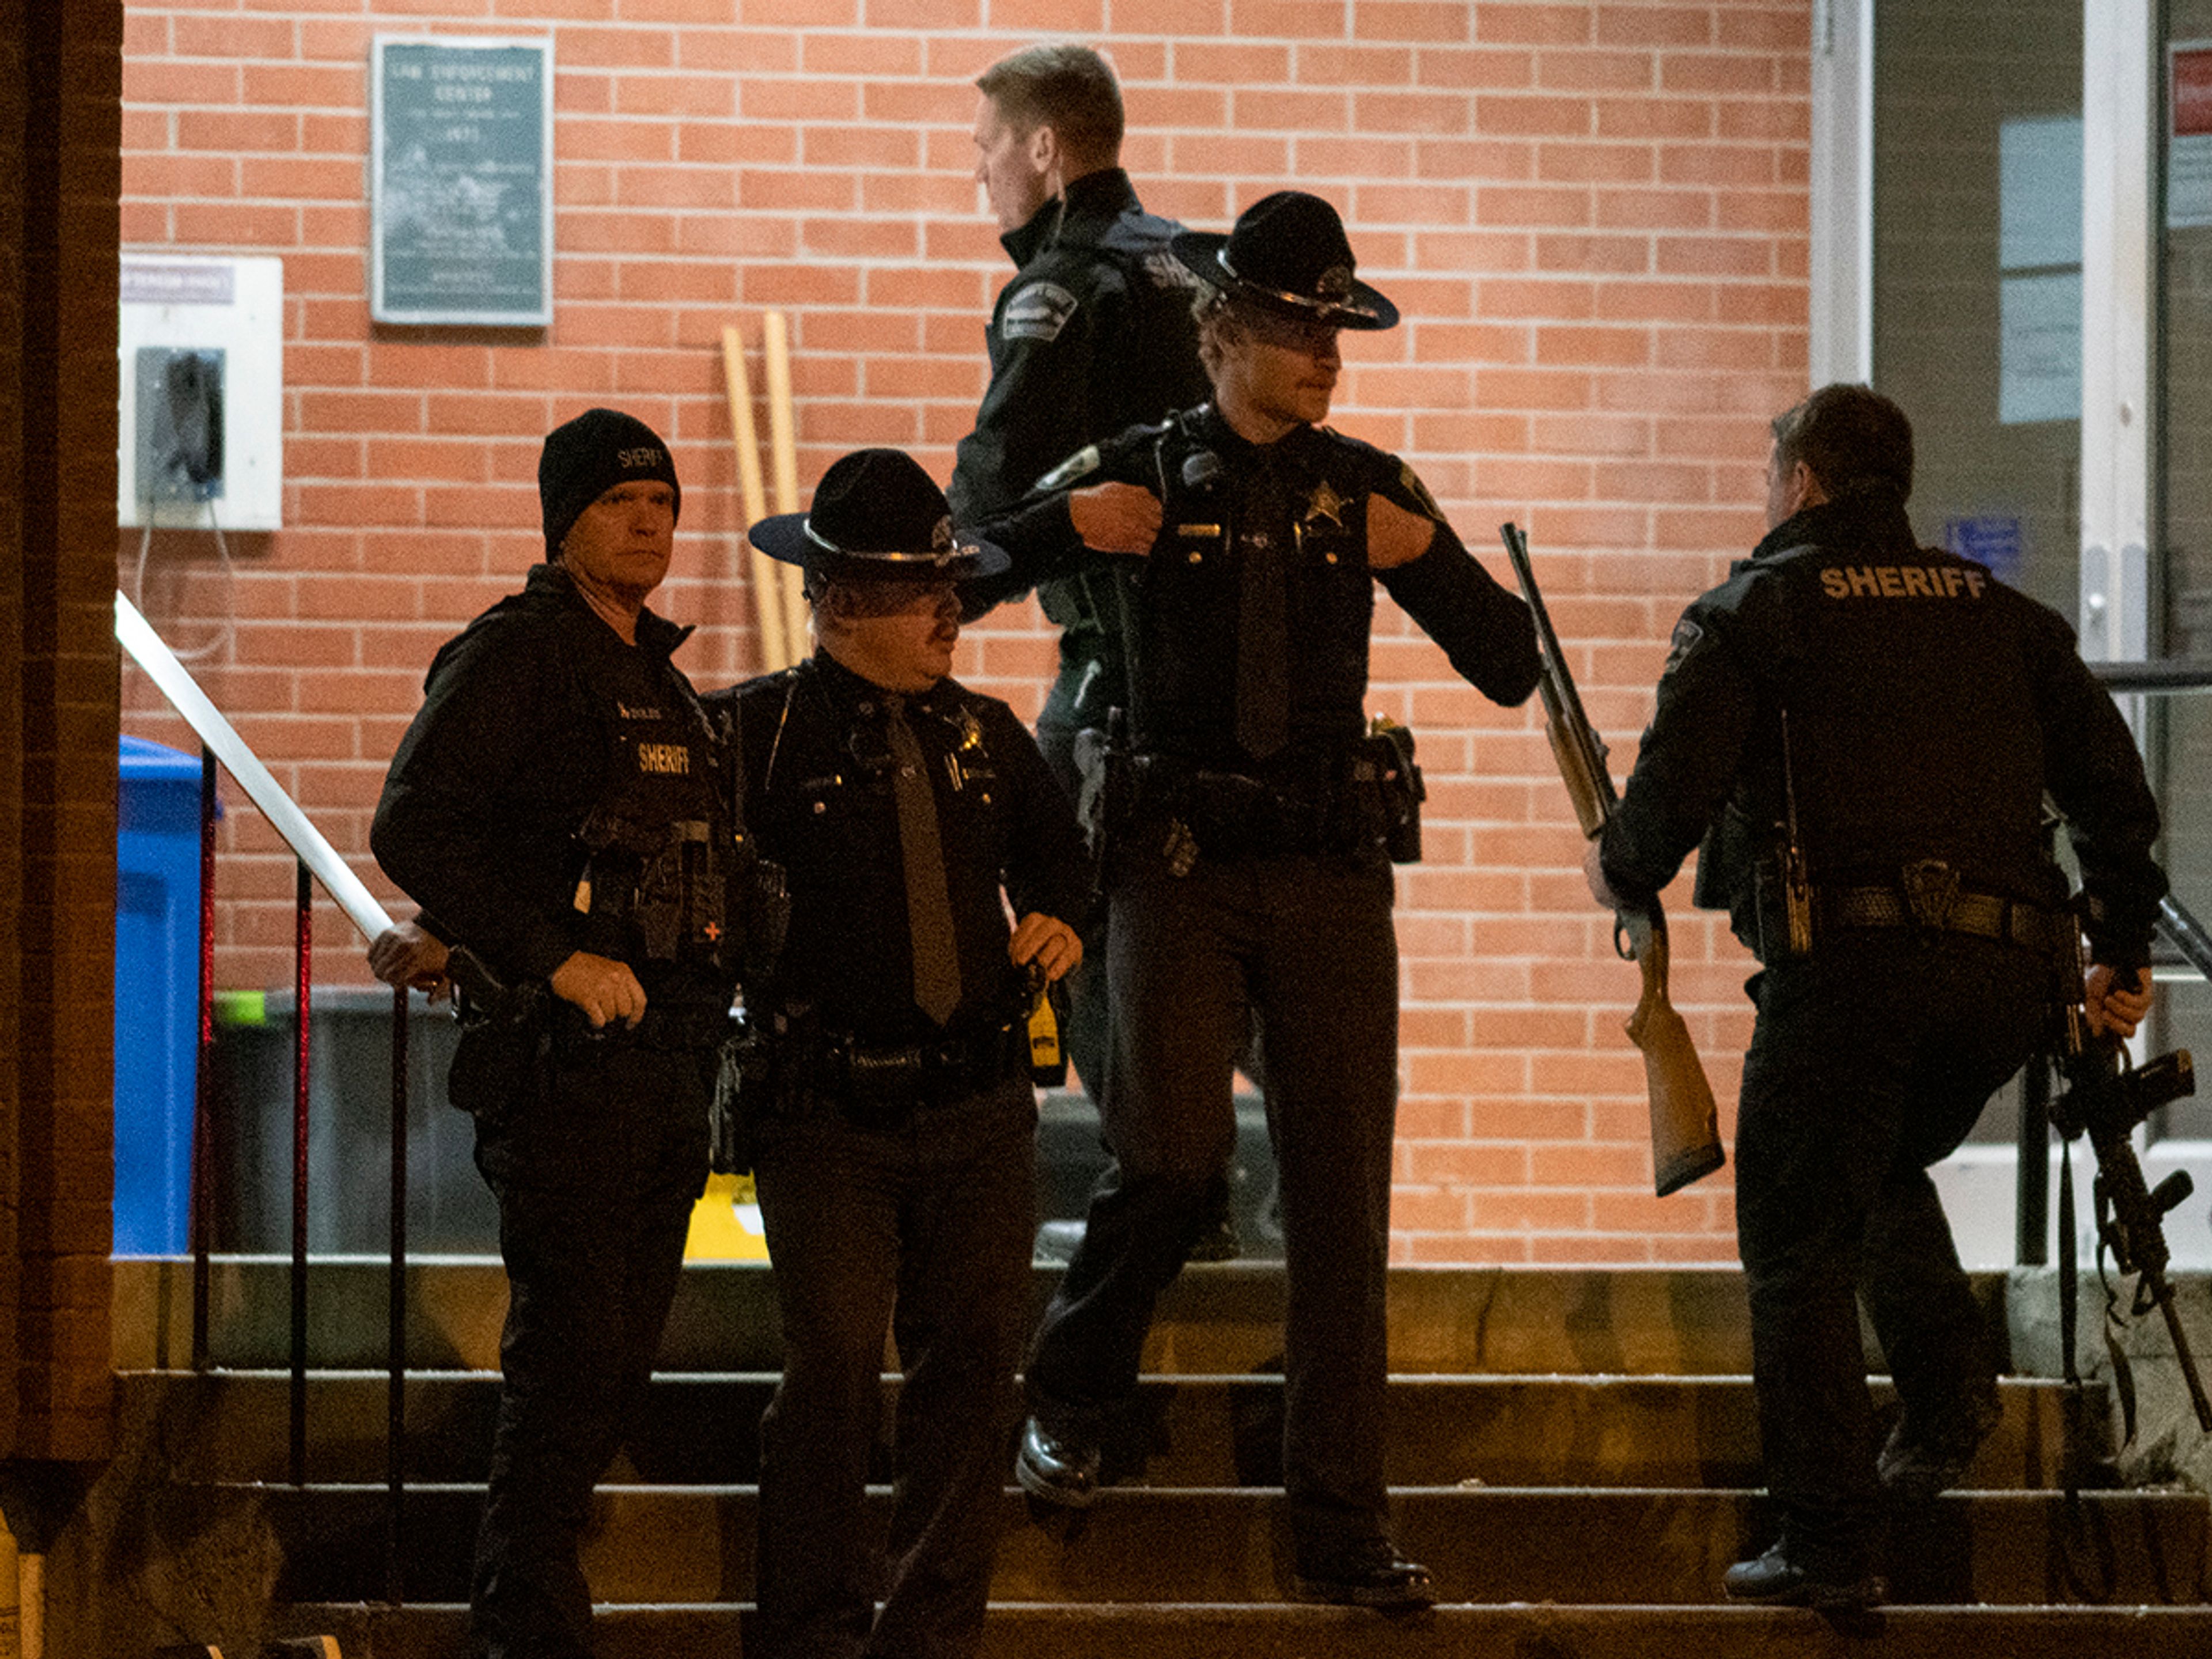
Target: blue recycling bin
{"x":157,"y":971}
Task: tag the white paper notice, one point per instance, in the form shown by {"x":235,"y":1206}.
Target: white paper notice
{"x":2039,"y":192}
{"x":2039,"y":347}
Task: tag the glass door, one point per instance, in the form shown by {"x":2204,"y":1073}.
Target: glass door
{"x":2012,"y":236}
{"x":1977,"y":308}
{"x":2181,"y":617}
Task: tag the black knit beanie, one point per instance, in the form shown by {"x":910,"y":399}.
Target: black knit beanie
{"x":589,"y":456}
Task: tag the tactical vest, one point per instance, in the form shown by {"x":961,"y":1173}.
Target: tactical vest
{"x":660,"y":847}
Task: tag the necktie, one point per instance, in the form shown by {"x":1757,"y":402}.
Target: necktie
{"x":1263,"y":645}
{"x":928,"y":903}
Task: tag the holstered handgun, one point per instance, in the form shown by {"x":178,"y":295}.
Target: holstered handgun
{"x":743,"y":1073}
{"x":1387,"y":753}
{"x":504,"y":1029}
{"x":762,"y":1072}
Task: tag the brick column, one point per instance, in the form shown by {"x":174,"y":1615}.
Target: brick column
{"x":60,"y":123}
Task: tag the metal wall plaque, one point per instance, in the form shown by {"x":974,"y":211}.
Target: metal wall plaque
{"x":461,"y":181}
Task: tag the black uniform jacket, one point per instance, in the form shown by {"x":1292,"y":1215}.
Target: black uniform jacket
{"x":1928,"y":707}
{"x":1307,"y":492}
{"x":522,"y":715}
{"x":818,"y":797}
{"x":1093,"y":334}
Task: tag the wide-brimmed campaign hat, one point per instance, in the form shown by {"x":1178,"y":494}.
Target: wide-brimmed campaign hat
{"x":878,"y":517}
{"x":1288,"y":251}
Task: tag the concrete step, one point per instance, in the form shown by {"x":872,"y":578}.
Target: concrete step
{"x":1186,"y":1432}
{"x":663,"y":1545}
{"x":1050,"y":1630}
{"x":1221,"y":1318}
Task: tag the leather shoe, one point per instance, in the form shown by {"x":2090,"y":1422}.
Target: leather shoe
{"x":1779,"y":1581}
{"x":1372,"y":1575}
{"x":1923,"y":1459}
{"x":1062,"y":1472}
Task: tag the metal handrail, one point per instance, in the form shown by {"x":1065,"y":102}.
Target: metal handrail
{"x":2186,"y":934}
{"x":2162,"y":675}
{"x":317,"y":860}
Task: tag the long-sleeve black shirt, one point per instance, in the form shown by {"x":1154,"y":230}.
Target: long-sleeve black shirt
{"x":818,"y":797}
{"x":1307,"y":493}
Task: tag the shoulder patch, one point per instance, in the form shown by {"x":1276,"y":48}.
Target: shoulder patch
{"x":1038,"y":312}
{"x":1081,"y":464}
{"x":1410,"y":483}
{"x":1687,"y":636}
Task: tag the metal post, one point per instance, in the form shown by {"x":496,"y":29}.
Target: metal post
{"x":303,"y":919}
{"x":395,"y":1427}
{"x":203,"y":1071}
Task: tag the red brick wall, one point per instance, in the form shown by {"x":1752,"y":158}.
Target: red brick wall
{"x":59,"y":111}
{"x":1594,"y":215}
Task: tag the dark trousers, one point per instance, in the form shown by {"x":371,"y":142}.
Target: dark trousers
{"x":1307,"y":942}
{"x":1870,"y":1060}
{"x":596,"y":1168}
{"x":922,"y":1231}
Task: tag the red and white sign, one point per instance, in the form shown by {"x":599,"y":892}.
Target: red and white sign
{"x":2189,"y":134}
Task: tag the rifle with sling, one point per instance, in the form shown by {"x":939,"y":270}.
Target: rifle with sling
{"x":1686,"y":1140}
{"x":2106,"y":1096}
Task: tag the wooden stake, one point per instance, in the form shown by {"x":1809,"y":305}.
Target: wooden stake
{"x":776,"y":352}
{"x":767,"y":586}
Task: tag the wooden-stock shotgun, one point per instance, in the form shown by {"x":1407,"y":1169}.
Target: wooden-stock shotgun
{"x":1686,"y":1138}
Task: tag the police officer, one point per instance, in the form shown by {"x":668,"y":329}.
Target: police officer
{"x":1093,"y":334}
{"x":1094,"y":331}
{"x":889,"y":1115}
{"x":1862,"y":732}
{"x":1250,"y":869}
{"x":562,"y":808}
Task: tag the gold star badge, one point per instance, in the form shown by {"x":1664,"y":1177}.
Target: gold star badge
{"x":1325,"y":503}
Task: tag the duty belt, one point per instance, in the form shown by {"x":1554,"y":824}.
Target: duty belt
{"x":1234,"y":815}
{"x":1929,"y":898}
{"x":881,"y":1084}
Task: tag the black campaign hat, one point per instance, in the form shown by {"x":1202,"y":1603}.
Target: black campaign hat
{"x":877,"y":517}
{"x":1288,"y":251}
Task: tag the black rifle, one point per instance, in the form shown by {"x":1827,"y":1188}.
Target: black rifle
{"x":1685,"y":1137}
{"x":2106,"y":1097}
